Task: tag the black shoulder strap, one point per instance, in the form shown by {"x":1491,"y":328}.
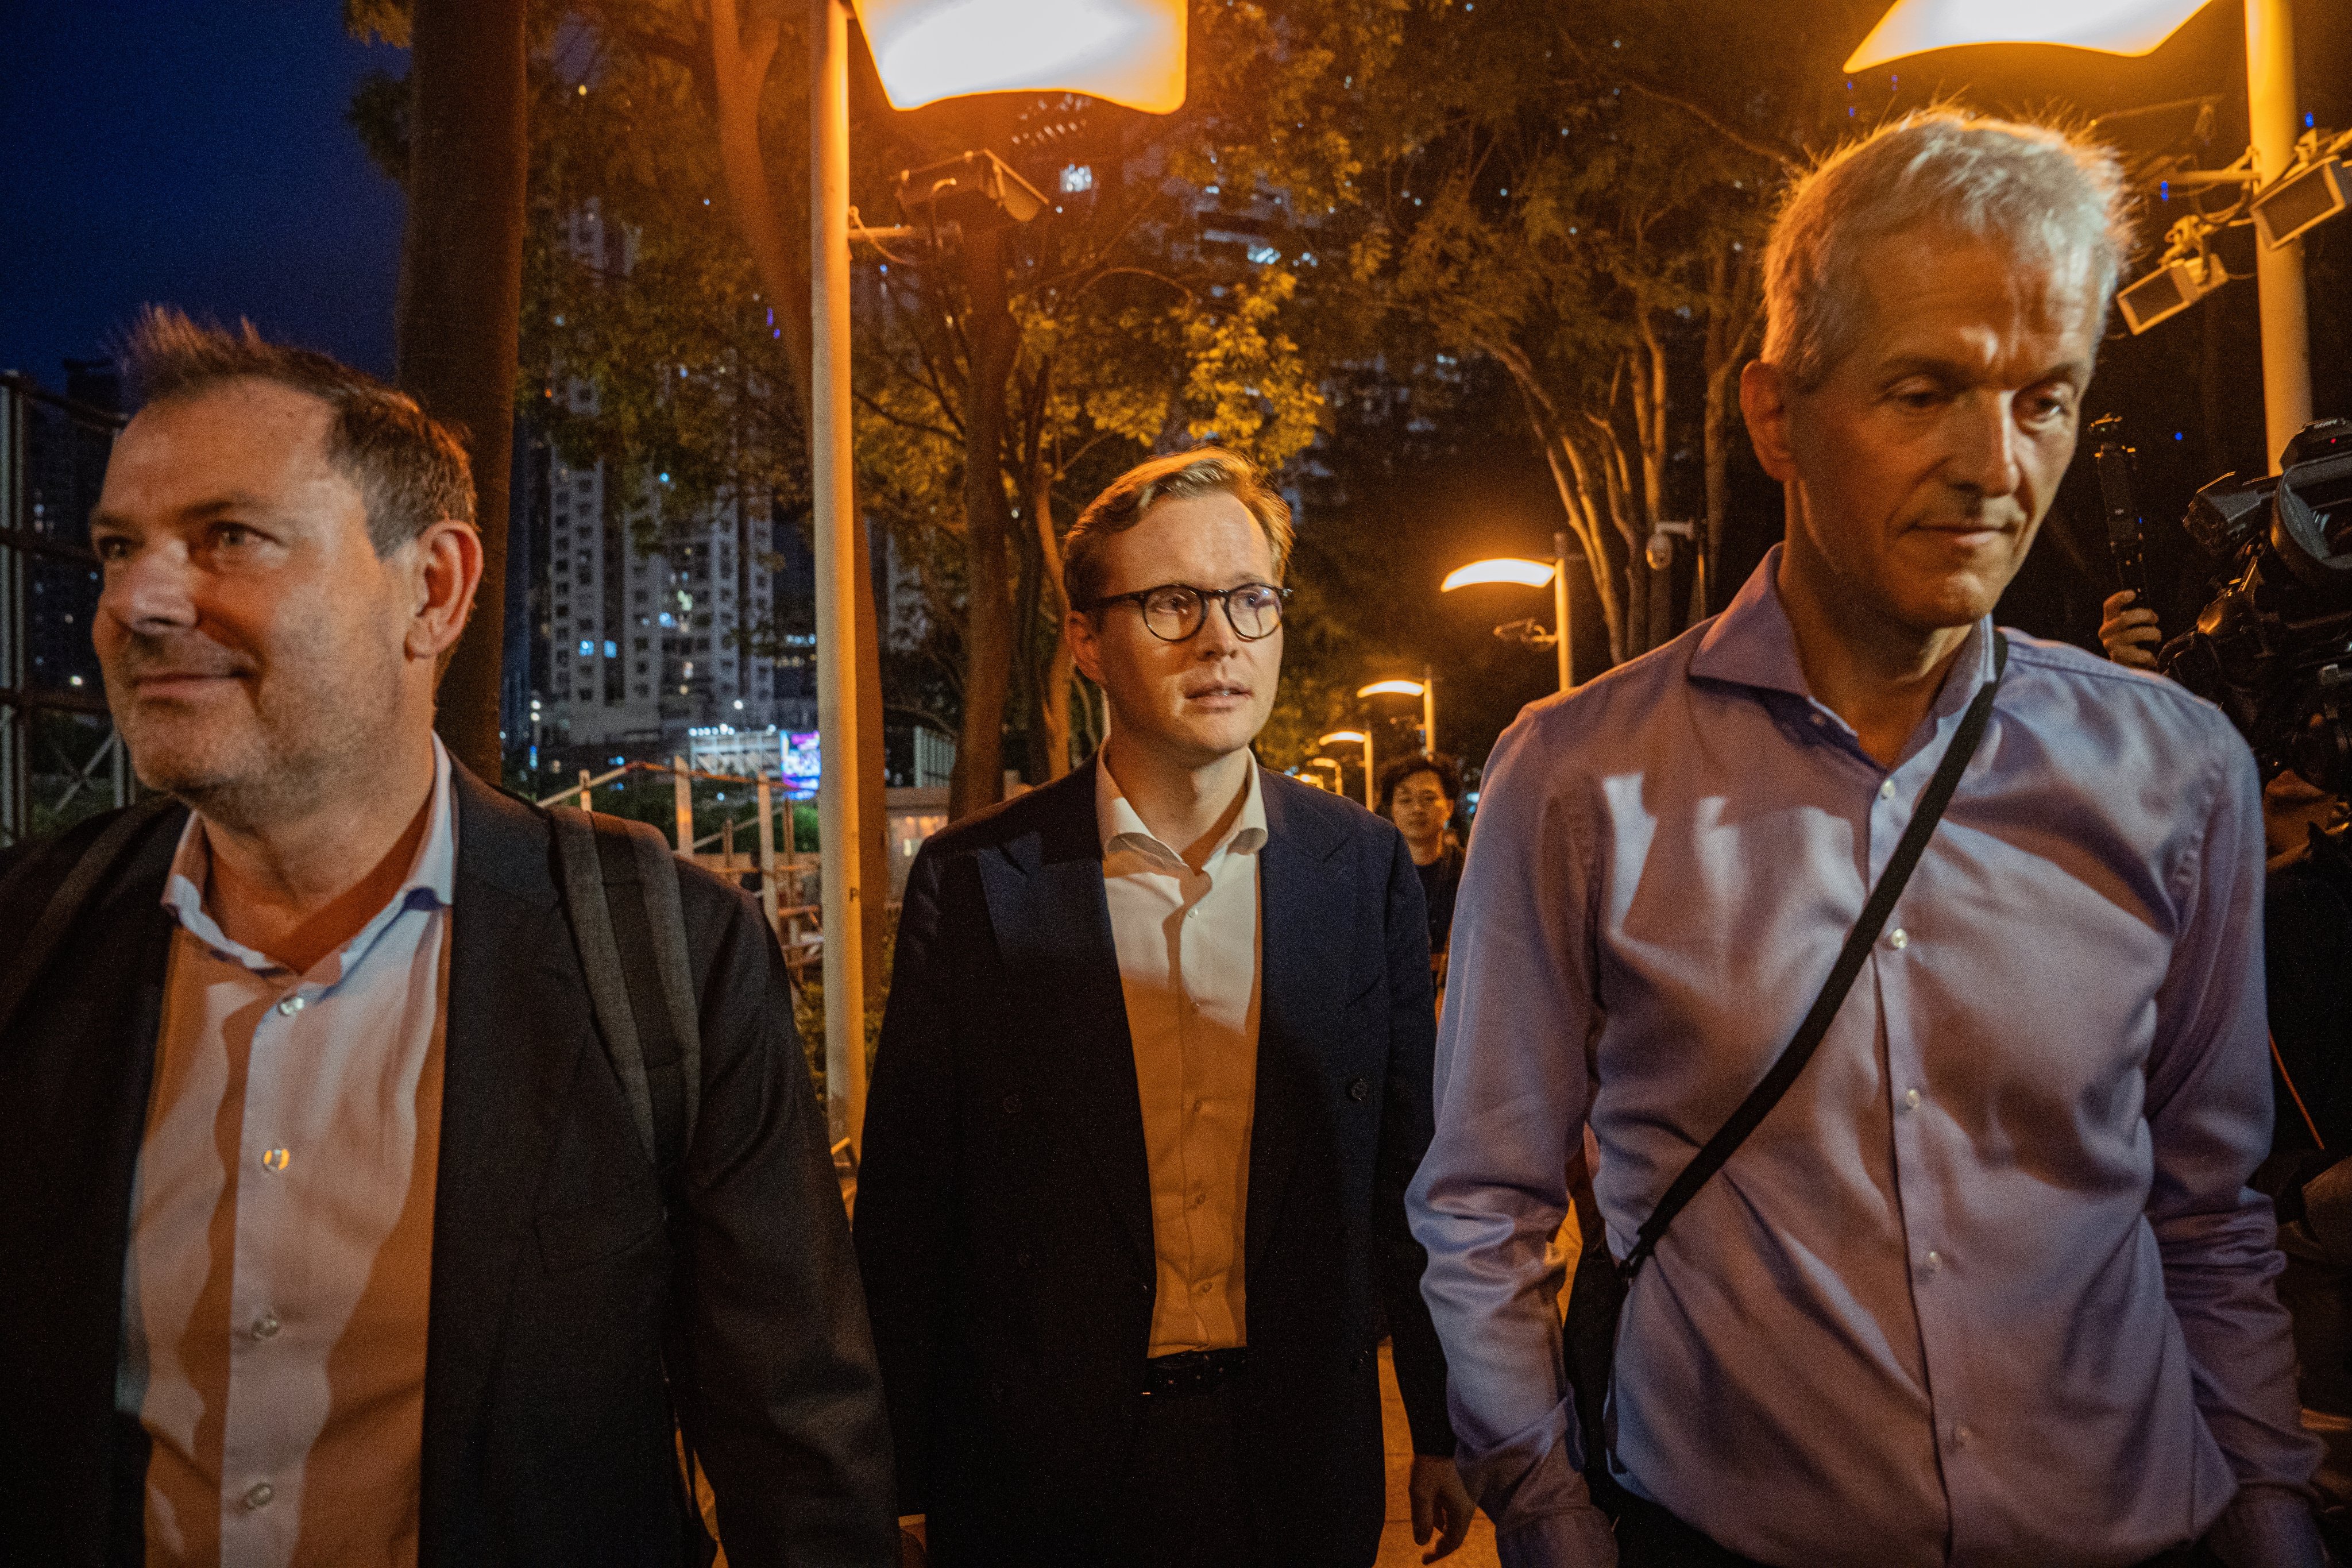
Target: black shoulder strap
{"x":64,"y":906}
{"x":620,"y":886}
{"x":1866,"y":927}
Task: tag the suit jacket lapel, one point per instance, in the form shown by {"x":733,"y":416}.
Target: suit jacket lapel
{"x":1306,"y":906}
{"x":517,"y":1026}
{"x":1052,"y":920}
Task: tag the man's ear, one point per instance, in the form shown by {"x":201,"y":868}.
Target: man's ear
{"x":444,"y":571}
{"x":1764,"y":393}
{"x":1086,"y":647}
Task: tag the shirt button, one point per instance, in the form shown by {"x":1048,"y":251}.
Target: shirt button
{"x":291,"y":1005}
{"x":266,"y":1326}
{"x":1202,"y":1286}
{"x":1934,"y":1260}
{"x":1962,"y":1437}
{"x":258,"y":1494}
{"x":1886,"y":790}
{"x":1898,"y":939}
{"x":1818,"y":720}
{"x":1910,"y":1100}
{"x":275,"y":1160}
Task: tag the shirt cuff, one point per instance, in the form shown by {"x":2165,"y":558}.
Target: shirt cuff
{"x":1575,"y":1537}
{"x":2267,"y":1527}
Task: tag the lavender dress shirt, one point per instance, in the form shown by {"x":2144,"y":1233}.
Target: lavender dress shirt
{"x":1988,"y":1287}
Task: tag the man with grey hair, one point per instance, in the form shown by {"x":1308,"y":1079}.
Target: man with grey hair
{"x":1956,"y":1265}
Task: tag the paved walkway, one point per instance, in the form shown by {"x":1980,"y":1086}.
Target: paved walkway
{"x":1397,"y":1549}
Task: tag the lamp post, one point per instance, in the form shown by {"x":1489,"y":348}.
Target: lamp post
{"x":1425,"y":688}
{"x":1364,"y":739}
{"x":1338,"y":778}
{"x":1130,"y":52}
{"x":1530,"y":574}
{"x":2137,"y":27}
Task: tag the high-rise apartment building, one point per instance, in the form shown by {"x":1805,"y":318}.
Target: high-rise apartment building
{"x":658,"y":619}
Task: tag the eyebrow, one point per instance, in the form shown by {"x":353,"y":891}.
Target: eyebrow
{"x":203,"y":510}
{"x":1954,"y":371}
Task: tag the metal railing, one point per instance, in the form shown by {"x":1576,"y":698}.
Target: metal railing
{"x":60,"y":758}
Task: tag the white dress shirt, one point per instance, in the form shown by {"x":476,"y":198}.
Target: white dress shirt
{"x":1189,"y":963}
{"x":275,"y":1288}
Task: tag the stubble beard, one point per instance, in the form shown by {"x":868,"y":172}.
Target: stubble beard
{"x":286,"y":748}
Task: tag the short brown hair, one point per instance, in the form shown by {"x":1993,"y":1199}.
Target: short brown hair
{"x":409,"y":467}
{"x":1205,"y":470}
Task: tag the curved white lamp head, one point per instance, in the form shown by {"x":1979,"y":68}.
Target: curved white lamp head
{"x":1391,"y":688}
{"x":1502,"y":569}
{"x":2111,"y":26}
{"x":1353,"y":737}
{"x":1128,"y":51}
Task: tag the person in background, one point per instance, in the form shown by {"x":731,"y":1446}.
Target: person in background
{"x":1420,"y":795}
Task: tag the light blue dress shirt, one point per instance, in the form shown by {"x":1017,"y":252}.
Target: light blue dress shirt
{"x":277,"y":1287}
{"x":1988,"y":1287}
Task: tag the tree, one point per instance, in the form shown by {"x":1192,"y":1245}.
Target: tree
{"x":1583,"y":198}
{"x":460,"y":280}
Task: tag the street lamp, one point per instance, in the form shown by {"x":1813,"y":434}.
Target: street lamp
{"x":1364,"y":739}
{"x":1339,"y":776}
{"x":1129,"y":51}
{"x":1529,"y":575}
{"x":2136,"y":27}
{"x":1425,"y":688}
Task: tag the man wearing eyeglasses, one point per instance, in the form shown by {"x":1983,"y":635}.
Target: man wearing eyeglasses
{"x":1154,"y":1075}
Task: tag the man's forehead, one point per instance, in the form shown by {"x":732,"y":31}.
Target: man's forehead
{"x":1942,"y":292}
{"x":1204,"y":534}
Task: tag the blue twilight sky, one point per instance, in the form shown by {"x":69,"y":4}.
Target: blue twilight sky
{"x":193,"y":152}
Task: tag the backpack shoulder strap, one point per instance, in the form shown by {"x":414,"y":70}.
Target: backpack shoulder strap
{"x":65,"y":905}
{"x":620,"y":886}
{"x":1858,"y":944}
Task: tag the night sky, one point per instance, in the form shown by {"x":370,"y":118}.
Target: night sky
{"x":191,"y":153}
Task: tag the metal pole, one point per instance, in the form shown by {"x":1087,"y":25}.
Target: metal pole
{"x":587,"y":792}
{"x":836,"y":579}
{"x":682,"y":793}
{"x":1561,"y":642}
{"x":767,"y":858}
{"x":1371,"y":798}
{"x":2286,"y":315}
{"x":1429,"y":710}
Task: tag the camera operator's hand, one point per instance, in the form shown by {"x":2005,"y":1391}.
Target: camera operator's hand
{"x":2130,"y":636}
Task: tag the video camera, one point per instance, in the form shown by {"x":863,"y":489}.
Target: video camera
{"x":2272,"y":648}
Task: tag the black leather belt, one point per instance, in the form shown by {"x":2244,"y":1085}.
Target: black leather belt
{"x":1190,"y":1372}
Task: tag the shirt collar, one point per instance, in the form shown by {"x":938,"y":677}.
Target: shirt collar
{"x":1752,"y":644}
{"x":431,"y":880}
{"x":1121,"y":827}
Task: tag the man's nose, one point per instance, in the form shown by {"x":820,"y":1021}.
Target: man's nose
{"x":150,"y":589}
{"x":1984,"y":457}
{"x":1217,"y":638}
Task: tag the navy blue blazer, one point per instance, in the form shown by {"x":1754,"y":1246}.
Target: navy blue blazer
{"x":563,"y":1322}
{"x":1003,"y":1217}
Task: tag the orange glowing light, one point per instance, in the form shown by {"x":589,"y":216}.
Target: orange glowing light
{"x":1127,"y":51}
{"x":2110,"y":27}
{"x":1502,"y":569}
{"x":1391,"y":688}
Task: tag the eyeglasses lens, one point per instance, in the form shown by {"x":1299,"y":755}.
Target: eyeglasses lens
{"x":1255,"y":611}
{"x":1173,"y":613}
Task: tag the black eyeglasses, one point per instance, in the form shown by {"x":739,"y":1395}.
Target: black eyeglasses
{"x":1175,"y":612}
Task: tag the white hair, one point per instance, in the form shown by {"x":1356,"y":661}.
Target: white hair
{"x":2045,"y":196}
